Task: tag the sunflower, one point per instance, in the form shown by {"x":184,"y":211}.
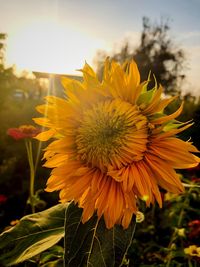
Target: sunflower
{"x":113,"y":144}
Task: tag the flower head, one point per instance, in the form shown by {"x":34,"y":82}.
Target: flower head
{"x":114,"y":144}
{"x":195,"y":223}
{"x":181,"y":232}
{"x":139,"y":217}
{"x":194,"y":229}
{"x":192,"y":250}
{"x":23,"y":132}
{"x":3,"y":199}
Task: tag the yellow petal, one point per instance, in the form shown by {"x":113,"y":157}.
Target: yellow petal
{"x":169,"y":117}
{"x":44,"y":136}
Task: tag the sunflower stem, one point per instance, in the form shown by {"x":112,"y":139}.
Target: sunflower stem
{"x":125,"y":254}
{"x":37,"y":156}
{"x":29,"y":150}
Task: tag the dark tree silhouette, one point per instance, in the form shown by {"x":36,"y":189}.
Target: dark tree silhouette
{"x":6,"y":74}
{"x":156,"y":52}
{"x":2,"y":39}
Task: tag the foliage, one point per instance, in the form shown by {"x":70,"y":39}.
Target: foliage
{"x":32,"y":235}
{"x":38,"y":232}
{"x":156,"y":52}
{"x":158,"y":241}
{"x":92,"y":244}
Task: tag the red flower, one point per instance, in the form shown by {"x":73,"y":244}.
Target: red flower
{"x":194,"y":229}
{"x":3,"y":199}
{"x":194,"y":223}
{"x":22,"y":132}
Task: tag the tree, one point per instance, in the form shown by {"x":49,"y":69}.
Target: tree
{"x":7,"y":76}
{"x":2,"y":39}
{"x":156,"y":52}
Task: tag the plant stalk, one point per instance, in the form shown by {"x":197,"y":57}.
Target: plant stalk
{"x":29,"y":150}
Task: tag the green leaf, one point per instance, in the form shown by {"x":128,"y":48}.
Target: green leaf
{"x":54,"y":253}
{"x":173,"y":124}
{"x":32,"y":235}
{"x":146,"y":97}
{"x":56,"y":263}
{"x":92,"y":244}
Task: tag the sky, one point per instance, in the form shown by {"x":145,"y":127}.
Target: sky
{"x":60,"y":35}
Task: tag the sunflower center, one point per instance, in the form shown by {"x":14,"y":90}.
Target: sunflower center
{"x":112,"y":134}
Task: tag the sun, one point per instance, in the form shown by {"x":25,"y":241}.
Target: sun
{"x":49,"y":46}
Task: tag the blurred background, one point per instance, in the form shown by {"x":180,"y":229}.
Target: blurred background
{"x":40,"y":41}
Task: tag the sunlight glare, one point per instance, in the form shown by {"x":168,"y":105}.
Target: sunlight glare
{"x":50,"y":47}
